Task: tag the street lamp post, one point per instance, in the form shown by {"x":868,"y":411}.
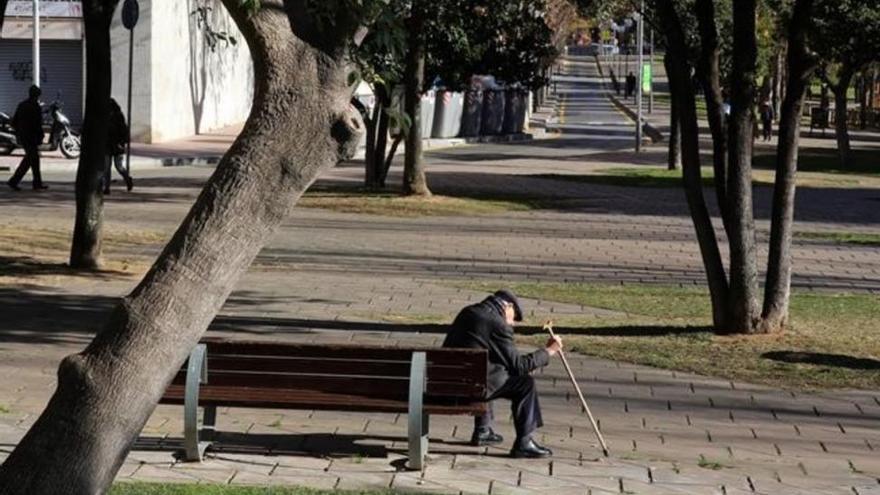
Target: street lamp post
{"x":641,"y":59}
{"x":651,"y":62}
{"x":36,"y":45}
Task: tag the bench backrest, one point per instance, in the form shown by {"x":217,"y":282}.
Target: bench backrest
{"x":454,"y":376}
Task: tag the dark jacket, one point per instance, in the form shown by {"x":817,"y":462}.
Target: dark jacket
{"x":28,"y":122}
{"x":117,"y":131}
{"x":482,"y":326}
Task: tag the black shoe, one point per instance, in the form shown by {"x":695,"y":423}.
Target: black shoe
{"x":485,"y":437}
{"x":13,"y":186}
{"x":530,"y":449}
{"x":129,"y":183}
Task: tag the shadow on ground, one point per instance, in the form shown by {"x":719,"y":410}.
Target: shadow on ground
{"x":823,"y":359}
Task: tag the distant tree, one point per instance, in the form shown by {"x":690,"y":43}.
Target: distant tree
{"x":848,"y":38}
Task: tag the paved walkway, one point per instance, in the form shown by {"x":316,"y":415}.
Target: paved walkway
{"x":329,"y":277}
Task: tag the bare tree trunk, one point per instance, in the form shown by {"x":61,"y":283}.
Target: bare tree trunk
{"x":673,"y":158}
{"x":709,"y":73}
{"x":777,"y":289}
{"x":3,"y":4}
{"x":678,"y":71}
{"x":840,"y":114}
{"x":107,"y":392}
{"x":741,"y":233}
{"x":85,"y":250}
{"x":371,"y":124}
{"x":414,"y":180}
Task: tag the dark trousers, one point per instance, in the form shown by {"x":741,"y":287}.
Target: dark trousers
{"x":523,"y":396}
{"x":30,"y":161}
{"x":114,"y":161}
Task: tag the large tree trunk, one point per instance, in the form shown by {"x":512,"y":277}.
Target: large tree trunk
{"x":741,"y":233}
{"x":840,"y":124}
{"x":85,"y":250}
{"x":679,"y":73}
{"x":301,"y":123}
{"x":709,"y":73}
{"x":414,"y":180}
{"x":800,"y":68}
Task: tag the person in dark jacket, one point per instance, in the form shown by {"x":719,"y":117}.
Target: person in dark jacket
{"x":117,"y":139}
{"x":28,"y":124}
{"x":489,"y":325}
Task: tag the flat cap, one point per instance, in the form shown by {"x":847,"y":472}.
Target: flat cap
{"x":510,"y":297}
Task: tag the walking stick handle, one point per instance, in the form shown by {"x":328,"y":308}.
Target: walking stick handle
{"x":548,"y":326}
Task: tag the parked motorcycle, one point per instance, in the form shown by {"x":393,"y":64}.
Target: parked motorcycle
{"x":61,"y":135}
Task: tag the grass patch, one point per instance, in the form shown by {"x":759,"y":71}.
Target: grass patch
{"x":663,"y":178}
{"x":140,"y":488}
{"x":40,"y":254}
{"x":853,"y":238}
{"x":4,"y":409}
{"x":824,"y":160}
{"x":392,"y":203}
{"x":833,"y":340}
{"x":707,"y":464}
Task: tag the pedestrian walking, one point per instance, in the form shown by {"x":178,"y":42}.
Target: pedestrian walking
{"x":117,"y":139}
{"x":766,"y":112}
{"x":630,"y":84}
{"x":28,"y":124}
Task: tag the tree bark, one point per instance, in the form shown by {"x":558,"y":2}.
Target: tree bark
{"x":679,"y":73}
{"x":741,"y":232}
{"x":106,"y":393}
{"x":777,"y":289}
{"x":414,"y":180}
{"x":673,"y":157}
{"x":3,"y":4}
{"x":840,"y":114}
{"x":85,"y":250}
{"x":709,"y":73}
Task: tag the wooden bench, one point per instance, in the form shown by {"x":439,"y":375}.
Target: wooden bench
{"x":418,"y":381}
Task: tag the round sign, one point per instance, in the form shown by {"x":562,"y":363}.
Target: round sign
{"x":130,"y":13}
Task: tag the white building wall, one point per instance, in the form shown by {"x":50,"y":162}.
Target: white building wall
{"x":141,"y":88}
{"x":195,"y":89}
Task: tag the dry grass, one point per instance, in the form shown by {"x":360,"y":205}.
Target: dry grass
{"x":40,"y":255}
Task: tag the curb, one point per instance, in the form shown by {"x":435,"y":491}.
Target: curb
{"x":647,"y":127}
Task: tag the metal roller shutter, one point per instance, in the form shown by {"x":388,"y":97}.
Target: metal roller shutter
{"x":61,"y":73}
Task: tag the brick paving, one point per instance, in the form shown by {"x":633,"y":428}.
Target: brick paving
{"x":334,"y":277}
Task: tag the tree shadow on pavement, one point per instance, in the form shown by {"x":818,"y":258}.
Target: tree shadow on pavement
{"x":23,"y":266}
{"x":823,"y":359}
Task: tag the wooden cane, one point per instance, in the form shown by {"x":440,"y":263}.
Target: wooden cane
{"x":549,"y":327}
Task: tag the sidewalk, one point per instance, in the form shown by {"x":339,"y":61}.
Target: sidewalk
{"x":208,"y":148}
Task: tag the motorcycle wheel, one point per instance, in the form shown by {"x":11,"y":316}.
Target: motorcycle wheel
{"x":70,"y":146}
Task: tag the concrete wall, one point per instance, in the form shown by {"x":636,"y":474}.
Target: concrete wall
{"x":141,"y":111}
{"x":181,"y":86}
{"x":196,"y":89}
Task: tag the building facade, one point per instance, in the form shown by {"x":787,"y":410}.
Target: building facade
{"x":192,"y":72}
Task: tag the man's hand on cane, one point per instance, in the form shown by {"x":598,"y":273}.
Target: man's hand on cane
{"x":554,"y":345}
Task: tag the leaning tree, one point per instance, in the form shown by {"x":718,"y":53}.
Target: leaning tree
{"x":301,"y":123}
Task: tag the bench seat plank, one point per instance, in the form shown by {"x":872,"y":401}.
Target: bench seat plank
{"x":260,"y":398}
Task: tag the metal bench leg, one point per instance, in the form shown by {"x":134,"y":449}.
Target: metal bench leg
{"x":209,"y":419}
{"x":418,"y":420}
{"x":196,"y":373}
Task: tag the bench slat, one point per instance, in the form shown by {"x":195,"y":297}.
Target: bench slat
{"x":465,"y":372}
{"x":339,"y":384}
{"x":341,"y":351}
{"x":269,"y":398}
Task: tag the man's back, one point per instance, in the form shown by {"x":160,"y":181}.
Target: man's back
{"x":28,"y":122}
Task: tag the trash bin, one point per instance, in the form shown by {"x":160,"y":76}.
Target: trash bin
{"x":472,"y":113}
{"x":448,"y":107}
{"x":426,"y":114}
{"x":514,"y":111}
{"x":493,"y":112}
